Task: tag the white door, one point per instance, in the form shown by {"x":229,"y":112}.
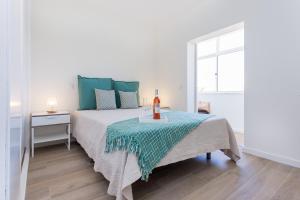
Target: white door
{"x":4,"y":97}
{"x":11,"y":97}
{"x":16,"y":82}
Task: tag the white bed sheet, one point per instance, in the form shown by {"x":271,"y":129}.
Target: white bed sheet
{"x":121,"y":168}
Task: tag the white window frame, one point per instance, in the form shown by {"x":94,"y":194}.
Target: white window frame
{"x":218,"y":53}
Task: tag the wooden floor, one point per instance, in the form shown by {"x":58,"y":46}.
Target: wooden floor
{"x":56,"y":173}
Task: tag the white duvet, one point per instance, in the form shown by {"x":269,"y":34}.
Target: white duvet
{"x":121,"y":168}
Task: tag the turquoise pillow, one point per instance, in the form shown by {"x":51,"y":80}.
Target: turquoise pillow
{"x":86,"y":91}
{"x":132,"y":86}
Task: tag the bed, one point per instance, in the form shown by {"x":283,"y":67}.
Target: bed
{"x":121,"y":168}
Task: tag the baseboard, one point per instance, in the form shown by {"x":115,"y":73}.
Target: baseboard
{"x":24,"y":173}
{"x":273,"y":157}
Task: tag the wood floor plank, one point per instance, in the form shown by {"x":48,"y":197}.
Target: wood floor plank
{"x":220,"y":187}
{"x":41,"y":194}
{"x":60,"y":169}
{"x":187,"y":178}
{"x":56,"y":174}
{"x":87,"y":192}
{"x":290,"y":189}
{"x":75,"y":183}
{"x":263,"y":185}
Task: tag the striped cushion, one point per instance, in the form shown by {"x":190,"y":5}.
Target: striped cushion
{"x":128,"y":99}
{"x":105,"y":99}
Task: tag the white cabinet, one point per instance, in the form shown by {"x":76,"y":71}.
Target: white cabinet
{"x":49,"y":119}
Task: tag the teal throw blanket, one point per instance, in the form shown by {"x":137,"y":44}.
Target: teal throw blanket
{"x":150,"y":142}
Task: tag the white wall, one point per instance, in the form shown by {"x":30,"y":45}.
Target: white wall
{"x":94,"y":38}
{"x":227,"y":105}
{"x":272,"y":97}
{"x":272,"y":84}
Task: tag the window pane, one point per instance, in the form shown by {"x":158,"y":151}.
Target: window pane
{"x":231,"y":40}
{"x":231,"y":72}
{"x":207,"y":47}
{"x":206,"y":75}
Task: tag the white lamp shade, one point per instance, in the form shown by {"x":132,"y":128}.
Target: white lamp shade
{"x":51,"y":105}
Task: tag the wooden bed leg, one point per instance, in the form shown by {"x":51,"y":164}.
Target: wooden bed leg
{"x":208,"y":156}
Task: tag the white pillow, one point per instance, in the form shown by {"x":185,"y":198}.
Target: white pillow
{"x":105,"y":99}
{"x":128,"y":99}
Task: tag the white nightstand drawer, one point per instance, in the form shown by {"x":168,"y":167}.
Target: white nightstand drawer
{"x":50,"y":120}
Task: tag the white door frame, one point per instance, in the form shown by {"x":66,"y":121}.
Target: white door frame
{"x":191,"y":76}
{"x":192,"y":64}
{"x":4,"y":98}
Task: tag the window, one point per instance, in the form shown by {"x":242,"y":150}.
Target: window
{"x":220,"y":63}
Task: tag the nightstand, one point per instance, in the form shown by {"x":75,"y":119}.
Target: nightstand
{"x":49,"y":119}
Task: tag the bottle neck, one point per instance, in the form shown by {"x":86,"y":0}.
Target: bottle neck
{"x":156,"y":93}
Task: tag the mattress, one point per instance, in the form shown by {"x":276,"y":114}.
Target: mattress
{"x":121,"y":168}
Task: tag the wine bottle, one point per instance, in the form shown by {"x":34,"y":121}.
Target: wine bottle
{"x":156,"y":106}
